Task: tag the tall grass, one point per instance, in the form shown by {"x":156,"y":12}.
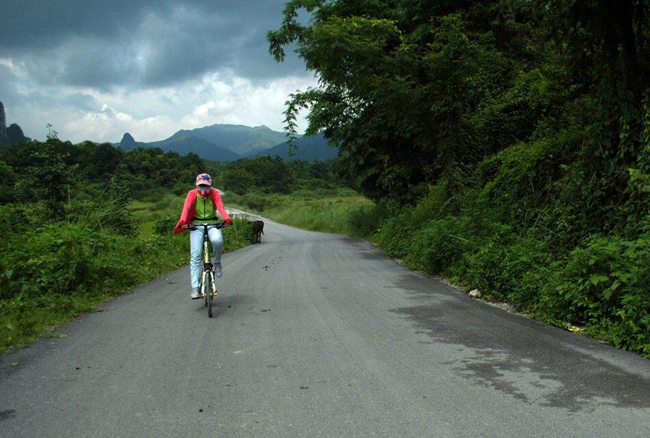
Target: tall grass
{"x":327,"y":214}
{"x":325,"y":211}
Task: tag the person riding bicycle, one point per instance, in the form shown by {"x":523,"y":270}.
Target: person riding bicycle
{"x":199,"y":208}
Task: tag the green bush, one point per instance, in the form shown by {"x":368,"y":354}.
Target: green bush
{"x":605,"y":284}
{"x":440,"y":245}
{"x":394,"y":235}
{"x":256,"y":201}
{"x":58,"y":271}
{"x":67,"y":259}
{"x":517,"y":180}
{"x":165,"y":225}
{"x":600,"y":285}
{"x":433,"y":205}
{"x":108,"y":211}
{"x":365,"y":219}
{"x":238,"y":235}
{"x":507,"y":267}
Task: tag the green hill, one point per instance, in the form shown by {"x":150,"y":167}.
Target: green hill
{"x":202,"y":148}
{"x":232,"y":142}
{"x":308,"y":149}
{"x":237,"y":138}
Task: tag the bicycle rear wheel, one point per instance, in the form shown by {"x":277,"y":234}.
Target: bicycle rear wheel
{"x":206,"y":287}
{"x":212,"y":293}
{"x":210,"y":300}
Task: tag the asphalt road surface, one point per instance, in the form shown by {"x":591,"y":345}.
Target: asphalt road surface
{"x":318,"y":335}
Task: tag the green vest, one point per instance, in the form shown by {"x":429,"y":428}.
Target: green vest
{"x":204,"y":210}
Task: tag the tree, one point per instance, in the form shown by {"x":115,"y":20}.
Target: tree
{"x":7,"y":181}
{"x":400,"y":83}
{"x":238,"y":180}
{"x":50,"y":178}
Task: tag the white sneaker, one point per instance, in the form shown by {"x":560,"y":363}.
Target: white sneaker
{"x":218,"y":270}
{"x":195,"y":293}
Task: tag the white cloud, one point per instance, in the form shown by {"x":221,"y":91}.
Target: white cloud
{"x":154,"y":114}
{"x":204,"y":109}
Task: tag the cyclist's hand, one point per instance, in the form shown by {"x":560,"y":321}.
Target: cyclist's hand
{"x":228,"y":221}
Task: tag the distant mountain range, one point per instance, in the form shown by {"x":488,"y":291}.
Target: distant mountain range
{"x":232,"y":142}
{"x":308,"y":149}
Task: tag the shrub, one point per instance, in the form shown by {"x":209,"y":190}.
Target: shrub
{"x":605,"y":284}
{"x":109,"y":210}
{"x":238,"y":235}
{"x":256,"y":201}
{"x":394,"y":235}
{"x":66,"y":259}
{"x":440,"y":244}
{"x":433,"y":205}
{"x":509,"y":268}
{"x":165,"y":225}
{"x":57,"y":271}
{"x":365,"y":219}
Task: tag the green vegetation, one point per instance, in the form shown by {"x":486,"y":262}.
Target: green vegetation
{"x":75,"y":235}
{"x":325,"y":210}
{"x":266,"y":175}
{"x":506,"y":144}
{"x":308,"y":195}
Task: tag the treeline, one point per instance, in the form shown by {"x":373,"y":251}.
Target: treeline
{"x":274,"y":175}
{"x":85,"y":169}
{"x":505,"y":142}
{"x":58,"y":169}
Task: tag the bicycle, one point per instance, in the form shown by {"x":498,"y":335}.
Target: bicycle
{"x":207,"y":286}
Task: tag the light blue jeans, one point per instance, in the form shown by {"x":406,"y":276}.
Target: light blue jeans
{"x":196,"y":251}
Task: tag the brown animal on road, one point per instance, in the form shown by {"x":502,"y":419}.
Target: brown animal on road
{"x":258,"y":230}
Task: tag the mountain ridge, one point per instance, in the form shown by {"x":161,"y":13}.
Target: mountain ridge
{"x":307,"y":148}
{"x":226,"y":142}
{"x":240,"y":139}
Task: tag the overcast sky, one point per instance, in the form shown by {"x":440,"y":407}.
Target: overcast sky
{"x":96,"y":69}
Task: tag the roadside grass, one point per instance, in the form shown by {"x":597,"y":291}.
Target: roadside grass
{"x":325,"y":214}
{"x":325,"y":211}
{"x":69,"y":269}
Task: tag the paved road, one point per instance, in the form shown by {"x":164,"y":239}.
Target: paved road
{"x":318,"y":335}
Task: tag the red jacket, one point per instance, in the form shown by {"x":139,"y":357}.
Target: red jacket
{"x":190,"y":202}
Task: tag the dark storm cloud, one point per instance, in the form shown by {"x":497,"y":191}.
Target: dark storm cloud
{"x":81,"y":102}
{"x":12,"y":99}
{"x":138,"y":43}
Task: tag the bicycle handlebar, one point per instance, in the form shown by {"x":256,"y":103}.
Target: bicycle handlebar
{"x":218,"y":225}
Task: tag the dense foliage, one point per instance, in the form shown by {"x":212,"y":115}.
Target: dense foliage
{"x":274,"y":175}
{"x":510,"y":137}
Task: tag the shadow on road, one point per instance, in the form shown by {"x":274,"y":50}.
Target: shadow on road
{"x":526,"y":359}
{"x":222,"y":306}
